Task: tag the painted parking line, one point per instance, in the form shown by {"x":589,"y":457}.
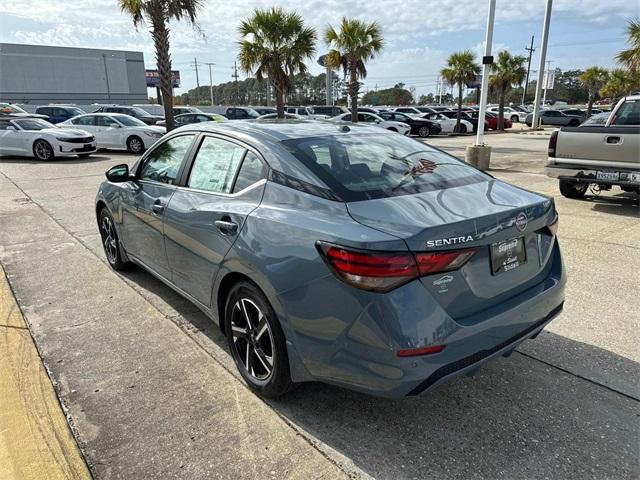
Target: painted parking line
{"x":35,"y":440}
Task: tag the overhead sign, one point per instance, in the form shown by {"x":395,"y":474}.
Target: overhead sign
{"x":153,"y":78}
{"x":549,"y":79}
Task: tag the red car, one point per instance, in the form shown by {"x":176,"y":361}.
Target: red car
{"x":492,"y":121}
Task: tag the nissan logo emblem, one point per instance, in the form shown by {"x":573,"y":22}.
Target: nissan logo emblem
{"x":521,"y":221}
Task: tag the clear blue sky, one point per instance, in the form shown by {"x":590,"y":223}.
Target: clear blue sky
{"x":419,"y":33}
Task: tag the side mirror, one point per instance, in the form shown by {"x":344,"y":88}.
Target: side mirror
{"x":119,"y":173}
{"x":114,"y":125}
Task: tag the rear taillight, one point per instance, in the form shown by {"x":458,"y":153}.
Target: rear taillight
{"x":553,"y":141}
{"x":414,"y":352}
{"x":384,"y":271}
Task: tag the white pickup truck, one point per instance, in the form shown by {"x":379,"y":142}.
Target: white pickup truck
{"x":601,"y":155}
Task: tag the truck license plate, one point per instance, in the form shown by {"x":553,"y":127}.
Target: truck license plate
{"x":607,"y":176}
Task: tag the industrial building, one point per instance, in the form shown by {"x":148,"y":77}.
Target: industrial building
{"x":36,"y":74}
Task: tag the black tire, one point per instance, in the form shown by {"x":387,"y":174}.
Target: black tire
{"x":514,"y":118}
{"x":43,"y":151}
{"x":262,"y":336}
{"x":460,"y":128}
{"x":571,"y":189}
{"x":424,"y":132}
{"x":110,"y":241}
{"x":135,"y":144}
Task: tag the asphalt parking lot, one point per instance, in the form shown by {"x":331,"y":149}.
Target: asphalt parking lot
{"x":151,"y":391}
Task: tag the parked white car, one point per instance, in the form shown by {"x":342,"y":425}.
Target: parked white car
{"x":34,"y":137}
{"x":371,"y":118}
{"x":448,"y":124}
{"x":510,"y":113}
{"x":117,"y":131}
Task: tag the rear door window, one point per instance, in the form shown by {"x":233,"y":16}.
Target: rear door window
{"x":362,"y":167}
{"x":251,"y":171}
{"x":215,"y":165}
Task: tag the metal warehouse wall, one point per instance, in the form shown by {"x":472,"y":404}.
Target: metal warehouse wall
{"x":34,"y":74}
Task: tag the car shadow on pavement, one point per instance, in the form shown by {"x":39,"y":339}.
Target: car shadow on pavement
{"x":626,"y":204}
{"x":518,"y":418}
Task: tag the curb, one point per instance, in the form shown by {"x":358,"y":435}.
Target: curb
{"x":42,"y":445}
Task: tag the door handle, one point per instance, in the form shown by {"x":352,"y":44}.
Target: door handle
{"x":612,"y":140}
{"x":226,"y":227}
{"x":157,"y":208}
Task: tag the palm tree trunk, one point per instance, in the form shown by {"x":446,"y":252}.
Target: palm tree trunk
{"x":457,"y":129}
{"x":279,"y":100}
{"x":353,"y":92}
{"x":160,"y":35}
{"x":590,"y":104}
{"x":501,"y":110}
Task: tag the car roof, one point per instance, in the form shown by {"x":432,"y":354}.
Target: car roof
{"x":278,"y":130}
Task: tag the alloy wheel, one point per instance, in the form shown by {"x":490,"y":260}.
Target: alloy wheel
{"x":135,"y":145}
{"x":109,"y":240}
{"x":43,"y":151}
{"x":252,"y":339}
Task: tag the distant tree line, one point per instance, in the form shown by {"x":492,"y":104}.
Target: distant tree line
{"x":306,"y":89}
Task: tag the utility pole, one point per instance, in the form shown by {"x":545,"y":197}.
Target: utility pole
{"x":195,"y":64}
{"x":210,"y":81}
{"x":526,"y":82}
{"x":543,"y":59}
{"x":235,"y":77}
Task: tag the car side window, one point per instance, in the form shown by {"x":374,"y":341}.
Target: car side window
{"x":215,"y":165}
{"x":4,"y":124}
{"x":101,"y":121}
{"x":628,"y":113}
{"x":59,"y":112}
{"x":251,"y":170}
{"x":45,"y":111}
{"x":163,"y":163}
{"x":86,"y":120}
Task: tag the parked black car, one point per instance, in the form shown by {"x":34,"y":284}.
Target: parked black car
{"x":419,"y":126}
{"x":136,"y":112}
{"x":265,"y":110}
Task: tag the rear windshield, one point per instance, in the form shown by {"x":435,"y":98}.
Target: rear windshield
{"x":363,"y":167}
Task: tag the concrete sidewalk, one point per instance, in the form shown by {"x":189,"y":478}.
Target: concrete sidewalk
{"x":35,"y":440}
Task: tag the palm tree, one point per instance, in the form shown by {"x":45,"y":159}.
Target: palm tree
{"x":593,"y":78}
{"x":158,"y":13}
{"x":275,"y":45}
{"x":620,"y":82}
{"x":507,"y":71}
{"x":631,"y":57}
{"x":350,"y":48}
{"x":461,"y":69}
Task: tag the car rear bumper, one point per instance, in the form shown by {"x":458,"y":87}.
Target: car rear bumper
{"x":626,"y":177}
{"x":352,"y":340}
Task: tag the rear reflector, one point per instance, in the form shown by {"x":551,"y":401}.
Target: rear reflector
{"x":414,"y":352}
{"x":384,"y":271}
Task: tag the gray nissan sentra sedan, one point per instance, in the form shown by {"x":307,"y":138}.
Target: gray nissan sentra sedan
{"x":342,"y":254}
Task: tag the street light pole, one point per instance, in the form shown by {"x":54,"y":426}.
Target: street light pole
{"x":543,"y":58}
{"x":487,"y":60}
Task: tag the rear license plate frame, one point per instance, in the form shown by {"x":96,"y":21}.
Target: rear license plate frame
{"x":507,"y":255}
{"x":608,"y":176}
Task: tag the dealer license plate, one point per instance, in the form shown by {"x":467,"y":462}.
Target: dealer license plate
{"x":508,"y":255}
